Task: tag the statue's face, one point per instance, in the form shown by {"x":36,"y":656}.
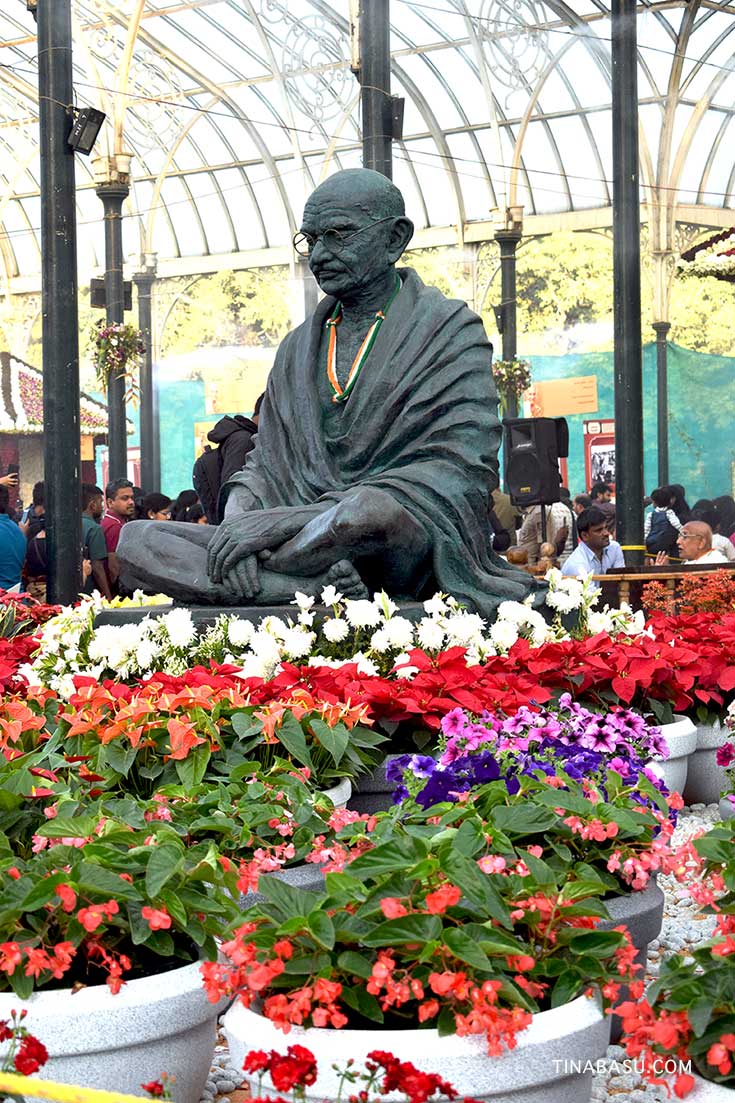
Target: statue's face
{"x":350,"y":245}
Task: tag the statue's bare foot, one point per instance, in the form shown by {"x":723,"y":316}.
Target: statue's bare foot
{"x":346,"y":580}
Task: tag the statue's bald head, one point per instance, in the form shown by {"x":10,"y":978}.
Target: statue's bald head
{"x":361,"y":189}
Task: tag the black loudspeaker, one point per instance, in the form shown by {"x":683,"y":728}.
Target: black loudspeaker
{"x":532,"y":447}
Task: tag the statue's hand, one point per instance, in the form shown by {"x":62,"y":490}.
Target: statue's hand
{"x":230,"y":552}
{"x":243,"y":580}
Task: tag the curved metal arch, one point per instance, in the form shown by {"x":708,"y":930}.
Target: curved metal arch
{"x":726,"y":122}
{"x":426,"y":58}
{"x":423,"y":107}
{"x":207,"y":85}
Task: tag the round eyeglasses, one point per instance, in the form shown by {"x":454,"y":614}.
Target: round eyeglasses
{"x":332,"y":240}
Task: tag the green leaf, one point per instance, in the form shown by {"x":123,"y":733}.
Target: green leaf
{"x":43,"y":892}
{"x":322,"y":929}
{"x":352,"y":962}
{"x":69,"y":827}
{"x":599,"y":944}
{"x":334,"y":740}
{"x":700,"y":1014}
{"x":245,"y":725}
{"x":286,"y":900}
{"x":446,"y":1024}
{"x":524,"y":819}
{"x":467,"y":950}
{"x":308,"y":964}
{"x":390,"y":857}
{"x":409,"y":928}
{"x":291,"y":736}
{"x":163,"y":863}
{"x":361,"y":1001}
{"x":92,"y":878}
{"x":175,"y":908}
{"x":475,"y":885}
{"x":566,"y":987}
{"x":118,"y":757}
{"x":470,"y":838}
{"x":192,"y":769}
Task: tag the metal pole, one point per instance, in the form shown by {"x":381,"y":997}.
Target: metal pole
{"x":662,"y":400}
{"x":113,"y":195}
{"x":62,"y":464}
{"x":628,"y":356}
{"x":508,"y":241}
{"x":150,"y":479}
{"x":377,"y":118}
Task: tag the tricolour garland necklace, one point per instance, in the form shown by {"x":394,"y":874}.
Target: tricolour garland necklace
{"x":341,"y":394}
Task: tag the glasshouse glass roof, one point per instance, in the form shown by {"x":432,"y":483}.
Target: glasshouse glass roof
{"x":234,"y":109}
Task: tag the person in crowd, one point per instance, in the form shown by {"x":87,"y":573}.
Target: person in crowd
{"x":500,"y":538}
{"x":508,"y":515}
{"x":93,"y":539}
{"x":695,"y":545}
{"x":11,"y":479}
{"x":12,"y":546}
{"x":34,"y":529}
{"x":601,"y":495}
{"x":661,"y":526}
{"x":679,"y":502}
{"x":706,"y":510}
{"x":195,"y":515}
{"x":120,"y":500}
{"x":596,"y":553}
{"x":185,"y":500}
{"x":573,"y":535}
{"x":581,"y":503}
{"x":155,"y":507}
{"x":725,"y":505}
{"x":558,"y":531}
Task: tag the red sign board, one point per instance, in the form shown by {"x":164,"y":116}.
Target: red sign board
{"x":599,"y":452}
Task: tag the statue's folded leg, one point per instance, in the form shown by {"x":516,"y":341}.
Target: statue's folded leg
{"x":170,"y":557}
{"x":366,"y":524}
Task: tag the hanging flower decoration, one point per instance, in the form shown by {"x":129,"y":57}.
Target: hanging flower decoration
{"x":512,"y":378}
{"x":714,"y":257}
{"x":118,"y":348}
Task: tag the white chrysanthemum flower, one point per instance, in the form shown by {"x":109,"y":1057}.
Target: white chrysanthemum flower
{"x":335,"y":630}
{"x":464,"y":628}
{"x":380,"y":641}
{"x":266,"y":647}
{"x":180,"y":627}
{"x":436,"y":606}
{"x":362,"y":614}
{"x":303,"y":601}
{"x":430,"y":634}
{"x":146,"y":653}
{"x":257,"y":666}
{"x":562,"y":601}
{"x":274,"y":625}
{"x":503,"y":634}
{"x":330,"y":596}
{"x":320,"y":660}
{"x":240,"y":631}
{"x":598,"y":622}
{"x":514,"y":611}
{"x":297,"y":643}
{"x":400,"y":632}
{"x":364,"y":665}
{"x":306,"y":618}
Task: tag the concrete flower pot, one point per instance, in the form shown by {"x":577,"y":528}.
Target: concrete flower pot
{"x":539,"y":1070}
{"x":373,"y":792}
{"x":727,"y":809}
{"x":340,"y":793}
{"x":705,"y":779}
{"x":642,"y":913}
{"x":705,"y":1091}
{"x":162,"y":1023}
{"x":681,"y":737}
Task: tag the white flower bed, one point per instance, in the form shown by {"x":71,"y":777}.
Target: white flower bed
{"x":372,"y":634}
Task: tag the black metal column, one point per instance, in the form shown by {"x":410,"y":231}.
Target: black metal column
{"x":628,"y":356}
{"x":377,"y":122}
{"x":662,"y":400}
{"x":150,"y":473}
{"x":113,"y":195}
{"x":62,"y":465}
{"x":508,"y":241}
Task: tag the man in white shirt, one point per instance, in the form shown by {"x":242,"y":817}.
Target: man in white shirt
{"x":695,"y":545}
{"x":595,"y":553}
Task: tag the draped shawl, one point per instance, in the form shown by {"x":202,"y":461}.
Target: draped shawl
{"x":420,"y":424}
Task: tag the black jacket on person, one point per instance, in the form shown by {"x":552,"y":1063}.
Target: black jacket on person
{"x":233,"y":437}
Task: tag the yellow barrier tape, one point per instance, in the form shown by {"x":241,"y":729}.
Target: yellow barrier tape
{"x":62,"y":1093}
